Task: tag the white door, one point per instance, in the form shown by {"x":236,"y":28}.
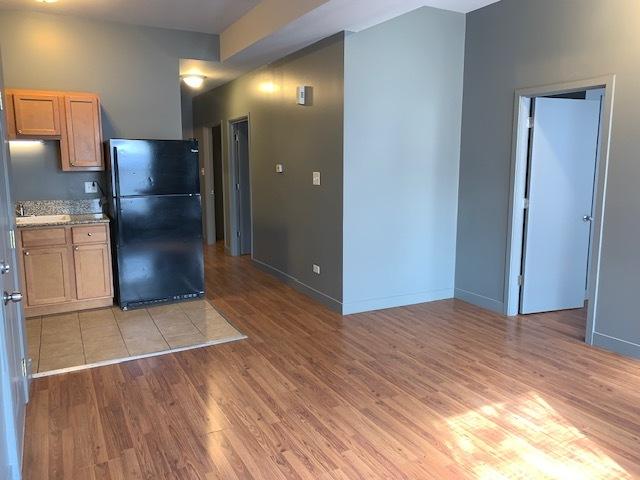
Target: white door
{"x":13,"y":384}
{"x":558,"y":222}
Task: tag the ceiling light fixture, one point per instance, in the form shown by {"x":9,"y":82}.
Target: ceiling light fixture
{"x":194,"y":81}
{"x":46,"y":1}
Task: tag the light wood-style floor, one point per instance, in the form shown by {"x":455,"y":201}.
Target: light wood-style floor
{"x":435,"y":391}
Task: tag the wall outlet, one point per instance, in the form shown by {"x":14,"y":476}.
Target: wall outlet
{"x":316,"y":178}
{"x":279,"y":168}
{"x":316,"y":269}
{"x":90,"y":187}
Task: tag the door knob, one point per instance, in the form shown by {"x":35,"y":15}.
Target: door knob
{"x":4,"y":267}
{"x":14,"y":297}
{"x":587,"y":218}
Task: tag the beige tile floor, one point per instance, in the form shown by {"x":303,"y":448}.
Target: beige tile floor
{"x":80,"y":338}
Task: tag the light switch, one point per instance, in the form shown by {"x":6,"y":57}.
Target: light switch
{"x":316,"y":178}
{"x":316,"y":269}
{"x":279,"y":168}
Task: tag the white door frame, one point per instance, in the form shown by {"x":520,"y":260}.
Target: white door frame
{"x":519,"y":158}
{"x":233,"y":205}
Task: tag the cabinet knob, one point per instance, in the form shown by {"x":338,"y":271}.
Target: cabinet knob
{"x":89,"y":234}
{"x":76,"y":248}
{"x":27,"y":253}
{"x":20,"y":131}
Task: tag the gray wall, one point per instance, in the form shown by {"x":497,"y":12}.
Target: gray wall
{"x":295,"y":224}
{"x":403,"y":108}
{"x":522,"y":43}
{"x":133,"y":69}
{"x":186,"y":103}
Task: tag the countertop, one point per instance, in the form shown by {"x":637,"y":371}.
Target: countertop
{"x":74,"y":219}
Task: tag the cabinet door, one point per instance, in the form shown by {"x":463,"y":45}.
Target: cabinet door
{"x":36,"y":114}
{"x":84,"y":135}
{"x":47,"y":275}
{"x":93,"y":271}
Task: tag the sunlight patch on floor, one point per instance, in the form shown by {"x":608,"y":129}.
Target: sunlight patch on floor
{"x":526,"y":439}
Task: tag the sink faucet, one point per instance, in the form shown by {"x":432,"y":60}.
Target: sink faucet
{"x":19,"y":209}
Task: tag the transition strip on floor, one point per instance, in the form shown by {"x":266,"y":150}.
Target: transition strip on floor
{"x":136,"y":357}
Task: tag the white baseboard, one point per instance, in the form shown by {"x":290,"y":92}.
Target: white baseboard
{"x":617,"y":345}
{"x":480,"y":301}
{"x":361,"y":306}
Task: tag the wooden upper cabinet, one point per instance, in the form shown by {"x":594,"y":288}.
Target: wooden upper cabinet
{"x":36,"y":115}
{"x":83,"y":133}
{"x":71,"y":117}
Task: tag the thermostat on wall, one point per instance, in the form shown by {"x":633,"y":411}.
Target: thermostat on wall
{"x":303,"y":95}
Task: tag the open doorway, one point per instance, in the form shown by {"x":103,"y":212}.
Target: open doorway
{"x":560,"y":159}
{"x":218,"y":196}
{"x":241,"y":186}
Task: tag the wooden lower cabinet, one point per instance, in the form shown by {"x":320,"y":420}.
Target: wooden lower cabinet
{"x":93,"y":271}
{"x":47,"y":275}
{"x":66,"y":268}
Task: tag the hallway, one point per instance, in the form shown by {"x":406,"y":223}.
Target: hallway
{"x":437,"y":390}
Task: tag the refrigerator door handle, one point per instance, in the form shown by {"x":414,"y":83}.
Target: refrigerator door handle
{"x":116,"y":175}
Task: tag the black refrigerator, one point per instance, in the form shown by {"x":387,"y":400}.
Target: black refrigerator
{"x":154,"y":204}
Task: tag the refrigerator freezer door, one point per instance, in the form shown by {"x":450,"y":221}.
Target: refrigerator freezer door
{"x":154,"y":167}
{"x":159,"y":249}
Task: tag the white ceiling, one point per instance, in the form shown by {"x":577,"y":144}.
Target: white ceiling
{"x":213,"y":16}
{"x":207,"y":16}
{"x":332,"y":17}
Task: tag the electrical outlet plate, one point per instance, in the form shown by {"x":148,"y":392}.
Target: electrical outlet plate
{"x":90,"y":187}
{"x":316,"y":269}
{"x":279,"y":168}
{"x":316,"y":178}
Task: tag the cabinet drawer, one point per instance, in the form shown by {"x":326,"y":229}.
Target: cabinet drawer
{"x":89,"y":234}
{"x":43,"y":237}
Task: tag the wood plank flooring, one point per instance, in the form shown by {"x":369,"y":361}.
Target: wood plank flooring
{"x":434,"y":391}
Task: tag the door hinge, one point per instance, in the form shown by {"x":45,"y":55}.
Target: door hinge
{"x":238,"y":234}
{"x":25,"y":364}
{"x":525,"y":203}
{"x":530,"y":122}
{"x":237,"y":186}
{"x":236,"y":137}
{"x":12,"y":239}
{"x":520,"y":280}
{"x":1,"y":101}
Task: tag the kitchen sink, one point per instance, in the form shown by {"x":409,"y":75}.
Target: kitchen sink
{"x":42,"y":219}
